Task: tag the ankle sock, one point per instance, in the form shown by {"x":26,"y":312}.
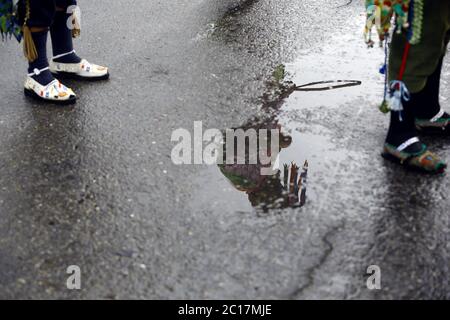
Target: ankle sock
{"x":40,"y":41}
{"x":62,"y":39}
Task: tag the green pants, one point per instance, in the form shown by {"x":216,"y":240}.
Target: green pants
{"x":424,"y":57}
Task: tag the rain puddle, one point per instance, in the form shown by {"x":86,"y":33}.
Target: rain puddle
{"x":298,"y":156}
{"x":325,"y":80}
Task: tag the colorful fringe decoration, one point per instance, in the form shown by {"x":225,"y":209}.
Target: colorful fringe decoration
{"x":9,"y":23}
{"x":380,"y":14}
{"x":416,"y":18}
{"x":408,"y":17}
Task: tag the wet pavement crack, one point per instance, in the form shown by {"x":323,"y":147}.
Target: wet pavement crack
{"x":310,"y":274}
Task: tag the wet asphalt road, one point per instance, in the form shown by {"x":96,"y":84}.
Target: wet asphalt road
{"x":95,"y":186}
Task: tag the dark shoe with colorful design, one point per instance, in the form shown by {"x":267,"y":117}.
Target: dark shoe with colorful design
{"x":438,"y":125}
{"x":423,"y":160}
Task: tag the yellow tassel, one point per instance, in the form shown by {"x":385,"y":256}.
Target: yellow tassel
{"x":76,"y":31}
{"x":29,"y":48}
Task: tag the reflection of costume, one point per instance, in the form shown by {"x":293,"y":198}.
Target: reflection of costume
{"x":267,"y":192}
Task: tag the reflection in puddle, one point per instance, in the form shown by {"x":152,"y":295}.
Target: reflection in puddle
{"x":295,"y":182}
{"x":328,"y":85}
{"x":311,"y":149}
{"x":331,"y":85}
{"x":287,"y":186}
{"x":284,"y":188}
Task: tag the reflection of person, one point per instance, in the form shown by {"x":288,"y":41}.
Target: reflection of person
{"x":59,"y":17}
{"x":421,"y":77}
{"x":267,"y":191}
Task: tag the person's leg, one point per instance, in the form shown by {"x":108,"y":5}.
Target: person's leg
{"x":428,"y":105}
{"x":430,"y":117}
{"x":41,"y":13}
{"x":65,"y":62}
{"x":61,"y":34}
{"x":423,"y":61}
{"x":402,"y":129}
{"x":36,"y":17}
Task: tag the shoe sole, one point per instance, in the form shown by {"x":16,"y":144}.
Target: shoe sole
{"x":68,"y":75}
{"x":30,"y":93}
{"x":405,"y":165}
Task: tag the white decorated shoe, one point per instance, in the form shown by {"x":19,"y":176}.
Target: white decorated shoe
{"x":80,"y":71}
{"x":54,"y":92}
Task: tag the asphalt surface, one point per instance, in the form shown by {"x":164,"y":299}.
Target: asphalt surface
{"x":94,"y":185}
